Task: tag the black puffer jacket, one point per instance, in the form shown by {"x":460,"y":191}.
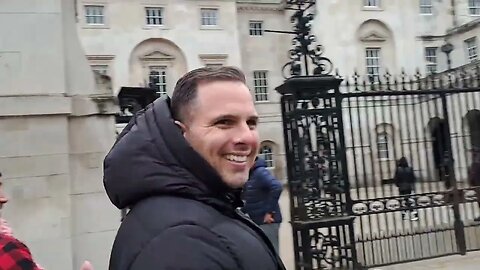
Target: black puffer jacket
{"x":182,"y":215}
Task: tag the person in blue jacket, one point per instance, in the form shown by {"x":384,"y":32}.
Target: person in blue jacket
{"x":261,"y":194}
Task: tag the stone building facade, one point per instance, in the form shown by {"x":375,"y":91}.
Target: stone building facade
{"x":141,"y":43}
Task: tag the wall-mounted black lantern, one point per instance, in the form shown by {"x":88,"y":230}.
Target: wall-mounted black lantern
{"x":447,"y":48}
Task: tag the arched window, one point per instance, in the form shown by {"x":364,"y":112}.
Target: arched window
{"x":382,"y":145}
{"x":158,"y":79}
{"x":266,"y":153}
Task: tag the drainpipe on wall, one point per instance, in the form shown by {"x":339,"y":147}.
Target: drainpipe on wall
{"x":454,"y":15}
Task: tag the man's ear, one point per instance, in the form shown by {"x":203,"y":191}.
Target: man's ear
{"x":181,"y":125}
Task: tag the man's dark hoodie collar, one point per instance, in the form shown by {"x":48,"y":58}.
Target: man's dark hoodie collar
{"x":151,"y":157}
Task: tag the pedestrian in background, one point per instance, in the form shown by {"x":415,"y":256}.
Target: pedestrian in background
{"x":404,"y":179}
{"x":261,"y":194}
{"x":474,"y":175}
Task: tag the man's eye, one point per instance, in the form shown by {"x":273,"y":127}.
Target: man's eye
{"x":224,"y":122}
{"x":252,"y":124}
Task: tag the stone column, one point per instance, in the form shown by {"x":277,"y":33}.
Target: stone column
{"x":55,"y":128}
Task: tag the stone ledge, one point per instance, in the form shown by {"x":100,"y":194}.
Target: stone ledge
{"x":57,"y":105}
{"x":34,"y":105}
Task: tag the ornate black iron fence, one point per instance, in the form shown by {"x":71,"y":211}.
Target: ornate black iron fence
{"x":434,"y":123}
{"x":342,"y":144}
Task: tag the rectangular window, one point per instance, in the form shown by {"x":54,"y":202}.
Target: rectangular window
{"x":382,"y":146}
{"x":371,"y":3}
{"x":471,"y":46}
{"x":373,"y":64}
{"x":154,"y":15}
{"x":101,"y":69}
{"x":474,"y":7}
{"x":431,"y":59}
{"x":94,"y":14}
{"x":267,"y":153}
{"x":209,"y":16}
{"x":157,"y":79}
{"x":260,"y":85}
{"x":426,"y":7}
{"x":256,"y":28}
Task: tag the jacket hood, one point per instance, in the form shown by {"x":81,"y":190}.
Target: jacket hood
{"x":151,"y":157}
{"x":259,"y":162}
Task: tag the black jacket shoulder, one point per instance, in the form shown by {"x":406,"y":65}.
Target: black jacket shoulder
{"x":166,"y":232}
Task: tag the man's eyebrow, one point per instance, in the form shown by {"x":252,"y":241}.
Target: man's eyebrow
{"x":225,"y":116}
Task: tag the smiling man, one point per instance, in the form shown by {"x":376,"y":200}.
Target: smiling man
{"x":180,"y":166}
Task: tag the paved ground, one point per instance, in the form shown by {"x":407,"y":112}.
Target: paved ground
{"x":469,"y":262}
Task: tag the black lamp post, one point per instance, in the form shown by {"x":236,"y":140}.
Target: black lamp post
{"x":447,"y":48}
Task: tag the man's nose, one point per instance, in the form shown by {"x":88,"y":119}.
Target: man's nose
{"x":245,"y":134}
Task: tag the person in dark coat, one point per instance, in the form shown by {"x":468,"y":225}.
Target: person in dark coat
{"x":474,"y":175}
{"x":180,"y":165}
{"x":261,"y":194}
{"x":404,"y":179}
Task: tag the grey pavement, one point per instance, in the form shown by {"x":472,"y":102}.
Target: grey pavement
{"x":468,"y":262}
{"x":471,"y":261}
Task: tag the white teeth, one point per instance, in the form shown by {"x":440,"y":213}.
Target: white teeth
{"x":237,"y":158}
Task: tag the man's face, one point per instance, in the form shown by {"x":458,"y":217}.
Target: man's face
{"x":222,"y":127}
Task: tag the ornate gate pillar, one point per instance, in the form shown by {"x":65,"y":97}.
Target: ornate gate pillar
{"x":315,"y":151}
{"x":317,"y":173}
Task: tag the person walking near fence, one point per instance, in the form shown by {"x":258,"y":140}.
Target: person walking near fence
{"x":404,"y":179}
{"x":474,"y":175}
{"x":261,"y":194}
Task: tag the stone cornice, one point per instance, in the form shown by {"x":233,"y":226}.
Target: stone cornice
{"x":464,"y":27}
{"x":453,"y":31}
{"x":259,"y":7}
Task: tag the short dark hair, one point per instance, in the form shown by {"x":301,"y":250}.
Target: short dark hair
{"x":186,"y":88}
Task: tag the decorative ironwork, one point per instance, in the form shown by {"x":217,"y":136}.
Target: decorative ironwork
{"x":321,"y":220}
{"x":335,"y":170}
{"x":305,"y":51}
{"x":424,"y":119}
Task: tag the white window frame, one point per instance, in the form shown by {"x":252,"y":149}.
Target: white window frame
{"x":266,"y":152}
{"x":96,"y":61}
{"x":100,"y":68}
{"x":471,"y":49}
{"x":260,"y":85}
{"x":371,"y":3}
{"x":209,"y":17}
{"x":383,"y":146}
{"x":213,"y":59}
{"x":157,"y":14}
{"x":373,"y":59}
{"x":431,"y":59}
{"x":255,"y":28}
{"x":426,"y":7}
{"x":100,"y":17}
{"x":474,"y":7}
{"x":161,"y":86}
